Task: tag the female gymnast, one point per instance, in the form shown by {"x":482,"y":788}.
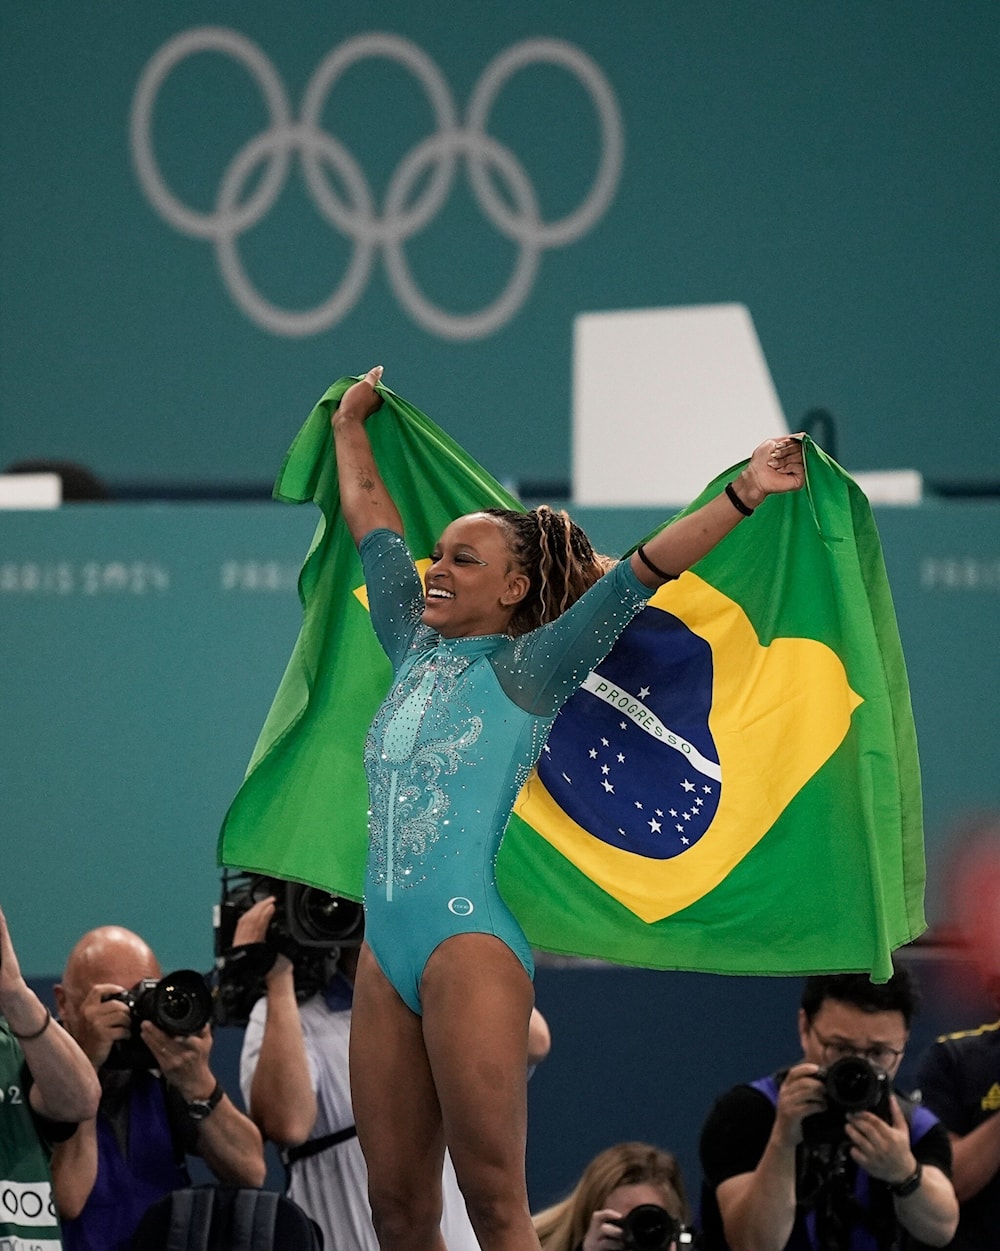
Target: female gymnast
{"x":514,"y":611}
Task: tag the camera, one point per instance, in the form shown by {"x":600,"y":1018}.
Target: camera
{"x":851,"y":1084}
{"x":310,"y":926}
{"x":648,"y":1227}
{"x":854,"y":1085}
{"x":178,"y":1004}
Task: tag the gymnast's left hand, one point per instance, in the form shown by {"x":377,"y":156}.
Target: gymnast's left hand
{"x":776,"y":466}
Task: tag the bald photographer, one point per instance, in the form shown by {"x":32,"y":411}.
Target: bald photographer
{"x":149,"y":1040}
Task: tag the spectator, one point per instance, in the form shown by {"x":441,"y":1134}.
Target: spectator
{"x":787,"y":1167}
{"x":960,"y":1082}
{"x":46,"y":1086}
{"x":151,"y":1114}
{"x":613,"y":1185}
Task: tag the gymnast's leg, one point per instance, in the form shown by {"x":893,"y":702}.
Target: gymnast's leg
{"x":397,"y":1114}
{"x":476,"y":999}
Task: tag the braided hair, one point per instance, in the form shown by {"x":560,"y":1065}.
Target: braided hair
{"x":556,"y":555}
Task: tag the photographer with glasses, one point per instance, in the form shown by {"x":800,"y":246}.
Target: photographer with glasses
{"x":826,"y":1155}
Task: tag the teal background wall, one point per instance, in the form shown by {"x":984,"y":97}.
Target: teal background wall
{"x":140,"y":646}
{"x":833,"y":167}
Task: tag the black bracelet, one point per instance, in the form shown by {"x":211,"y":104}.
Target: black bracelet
{"x":640,"y":551}
{"x":38,"y":1032}
{"x":736,"y":502}
{"x":910,"y":1184}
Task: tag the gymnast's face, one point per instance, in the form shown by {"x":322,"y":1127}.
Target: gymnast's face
{"x":472,"y":586}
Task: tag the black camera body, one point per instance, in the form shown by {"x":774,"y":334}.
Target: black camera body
{"x":648,"y":1227}
{"x":179,"y":1004}
{"x":851,"y":1084}
{"x":310,"y":926}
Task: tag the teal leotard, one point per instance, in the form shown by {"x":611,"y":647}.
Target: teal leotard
{"x":450,"y":748}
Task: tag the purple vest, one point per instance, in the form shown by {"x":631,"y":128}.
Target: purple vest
{"x":804,"y":1231}
{"x":127,"y":1185}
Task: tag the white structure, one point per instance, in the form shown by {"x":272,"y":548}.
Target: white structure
{"x":30,"y":490}
{"x":663,"y":399}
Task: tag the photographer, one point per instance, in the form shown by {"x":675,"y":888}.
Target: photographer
{"x":629,"y":1196}
{"x":294,"y":1076}
{"x":159,"y":1100}
{"x":46,"y":1085}
{"x":960,"y":1081}
{"x":823,"y":1157}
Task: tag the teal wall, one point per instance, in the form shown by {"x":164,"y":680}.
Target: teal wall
{"x":832,"y":167}
{"x":139,"y":650}
{"x":140,"y":647}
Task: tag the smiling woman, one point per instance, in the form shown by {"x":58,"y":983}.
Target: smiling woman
{"x":514,"y":611}
{"x":471,"y":583}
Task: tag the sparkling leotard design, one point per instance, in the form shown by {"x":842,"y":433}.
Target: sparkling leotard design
{"x":449,"y":750}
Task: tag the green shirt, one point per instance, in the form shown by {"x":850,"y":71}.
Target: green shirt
{"x":28,"y":1219}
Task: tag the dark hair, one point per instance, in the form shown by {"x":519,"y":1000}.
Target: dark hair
{"x":556,"y":555}
{"x":898,"y":994}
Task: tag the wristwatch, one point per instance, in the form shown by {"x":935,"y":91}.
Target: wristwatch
{"x":907,"y":1187}
{"x":198,"y":1109}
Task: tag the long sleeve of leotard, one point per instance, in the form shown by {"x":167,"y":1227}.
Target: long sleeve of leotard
{"x":395,"y":592}
{"x":540,"y":670}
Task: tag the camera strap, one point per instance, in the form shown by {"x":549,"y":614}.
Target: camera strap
{"x":315,"y":1145}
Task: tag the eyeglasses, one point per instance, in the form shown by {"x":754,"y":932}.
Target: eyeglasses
{"x":880,"y":1054}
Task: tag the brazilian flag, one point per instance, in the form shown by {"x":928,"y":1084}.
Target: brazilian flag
{"x":735,"y":789}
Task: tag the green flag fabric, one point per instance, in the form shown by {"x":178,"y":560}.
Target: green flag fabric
{"x":301,"y":812}
{"x":735,"y":789}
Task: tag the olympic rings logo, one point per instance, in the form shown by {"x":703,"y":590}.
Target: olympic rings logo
{"x":430,"y":165}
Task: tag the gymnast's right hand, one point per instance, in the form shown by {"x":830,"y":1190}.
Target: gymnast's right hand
{"x":361,"y":400}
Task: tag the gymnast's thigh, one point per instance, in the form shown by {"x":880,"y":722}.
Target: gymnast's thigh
{"x":477,"y":999}
{"x":395,"y":1102}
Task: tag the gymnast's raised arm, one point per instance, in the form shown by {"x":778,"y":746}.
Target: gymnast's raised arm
{"x":364,"y":498}
{"x":775,"y":466}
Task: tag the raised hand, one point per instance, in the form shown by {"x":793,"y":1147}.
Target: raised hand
{"x":361,"y":400}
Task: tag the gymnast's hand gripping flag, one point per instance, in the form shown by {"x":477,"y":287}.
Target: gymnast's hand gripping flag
{"x":736,"y":787}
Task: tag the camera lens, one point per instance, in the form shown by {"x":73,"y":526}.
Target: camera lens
{"x":649,"y":1227}
{"x":319,"y":919}
{"x":181,"y":1003}
{"x":853,"y":1084}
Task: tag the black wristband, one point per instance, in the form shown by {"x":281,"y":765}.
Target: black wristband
{"x":912,"y":1183}
{"x":736,"y":502}
{"x":640,"y":551}
{"x":38,"y":1032}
